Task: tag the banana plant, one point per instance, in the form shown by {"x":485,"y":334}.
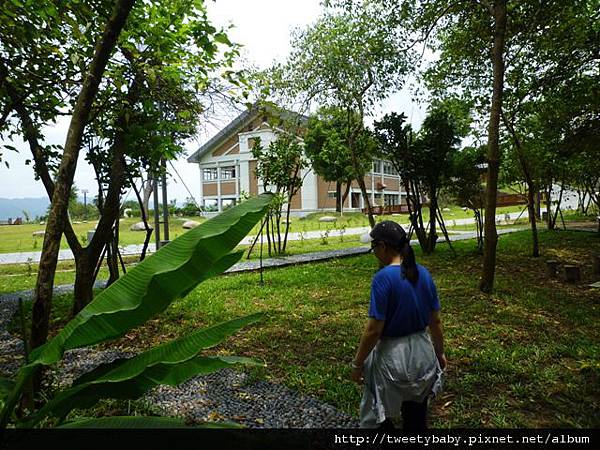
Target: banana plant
{"x":145,"y":291}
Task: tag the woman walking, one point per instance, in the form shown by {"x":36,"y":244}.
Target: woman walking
{"x":396,"y":359}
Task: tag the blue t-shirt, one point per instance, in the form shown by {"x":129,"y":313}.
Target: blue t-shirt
{"x":405,"y":308}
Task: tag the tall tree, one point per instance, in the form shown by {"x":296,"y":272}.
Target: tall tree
{"x":147,"y":101}
{"x":466,"y":187}
{"x":532,"y":44}
{"x":326,"y":146}
{"x":351,"y":58}
{"x":57,"y":217}
{"x":423,"y":163}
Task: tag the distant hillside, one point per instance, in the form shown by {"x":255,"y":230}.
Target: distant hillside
{"x":14,"y":207}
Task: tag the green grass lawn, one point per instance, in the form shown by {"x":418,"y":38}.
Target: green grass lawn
{"x":17,"y":277}
{"x":526,"y":356}
{"x":19,"y":238}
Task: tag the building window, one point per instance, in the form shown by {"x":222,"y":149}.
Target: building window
{"x":227,"y":173}
{"x":391,"y":199}
{"x":388,"y":169}
{"x":209,"y":174}
{"x":331,"y":194}
{"x":376,"y":166}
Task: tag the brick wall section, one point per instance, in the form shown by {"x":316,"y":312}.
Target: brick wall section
{"x":228,"y":187}
{"x":209,"y":189}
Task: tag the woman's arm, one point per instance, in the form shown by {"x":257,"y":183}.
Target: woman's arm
{"x":435,"y":327}
{"x":369,"y":338}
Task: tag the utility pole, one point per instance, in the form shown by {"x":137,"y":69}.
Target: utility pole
{"x":156,"y":213}
{"x":85,"y":191}
{"x":165,"y":202}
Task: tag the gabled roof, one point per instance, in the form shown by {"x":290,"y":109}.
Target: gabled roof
{"x":238,"y":124}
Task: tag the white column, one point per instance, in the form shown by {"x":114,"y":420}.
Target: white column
{"x":372,"y":184}
{"x":309,"y":190}
{"x":219,"y":200}
{"x":237,"y":180}
{"x":245,"y":176}
{"x":201,"y":200}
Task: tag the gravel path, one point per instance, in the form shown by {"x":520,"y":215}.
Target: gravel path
{"x":226,"y":395}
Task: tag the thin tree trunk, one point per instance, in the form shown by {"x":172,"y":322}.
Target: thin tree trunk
{"x":144,"y":219}
{"x":363,"y":190}
{"x":486,"y":283}
{"x":432,"y":237}
{"x":338,"y":196}
{"x":557,"y":210}
{"x":268,"y":230}
{"x":30,"y":134}
{"x":287,"y":221}
{"x":112,"y":261}
{"x":83,"y":290}
{"x":57,"y":217}
{"x":278,"y":223}
{"x":148,"y":188}
{"x":549,"y":222}
{"x":418,"y":224}
{"x":444,"y":229}
{"x":531,"y":191}
{"x":345,"y":196}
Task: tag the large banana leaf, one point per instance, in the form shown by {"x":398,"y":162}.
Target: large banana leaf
{"x":127,"y":422}
{"x":148,"y":288}
{"x":170,"y":363}
{"x":152,"y":285}
{"x":141,"y":422}
{"x":172,"y":352}
{"x":87,"y":395}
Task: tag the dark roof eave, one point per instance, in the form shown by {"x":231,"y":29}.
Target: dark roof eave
{"x":236,"y":123}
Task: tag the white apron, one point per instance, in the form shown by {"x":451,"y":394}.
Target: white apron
{"x":397,"y":370}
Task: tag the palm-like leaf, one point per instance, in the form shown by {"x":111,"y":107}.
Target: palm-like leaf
{"x":141,"y":422}
{"x":152,"y":285}
{"x":86,"y":395}
{"x":129,"y":378}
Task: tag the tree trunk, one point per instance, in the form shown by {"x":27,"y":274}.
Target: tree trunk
{"x":363,"y":190}
{"x":31,"y":135}
{"x":432,"y":237}
{"x":417,"y":216}
{"x":493,"y":154}
{"x":338,"y":196}
{"x":84,"y":282}
{"x":538,"y":204}
{"x":112,"y":261}
{"x":148,"y":188}
{"x":57,"y":217}
{"x":549,"y":222}
{"x":531,"y":193}
{"x":345,"y":196}
{"x":144,"y":219}
{"x":479,"y":228}
{"x":287,"y":221}
{"x":557,"y":209}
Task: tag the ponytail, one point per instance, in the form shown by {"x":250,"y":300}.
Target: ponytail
{"x":409,"y":263}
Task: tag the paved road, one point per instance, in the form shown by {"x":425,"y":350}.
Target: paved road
{"x":66,"y":254}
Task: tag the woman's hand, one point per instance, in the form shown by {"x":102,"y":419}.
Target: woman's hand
{"x":356,"y":375}
{"x":443,"y":361}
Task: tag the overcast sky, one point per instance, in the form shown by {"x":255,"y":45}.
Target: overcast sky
{"x":264,"y":28}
